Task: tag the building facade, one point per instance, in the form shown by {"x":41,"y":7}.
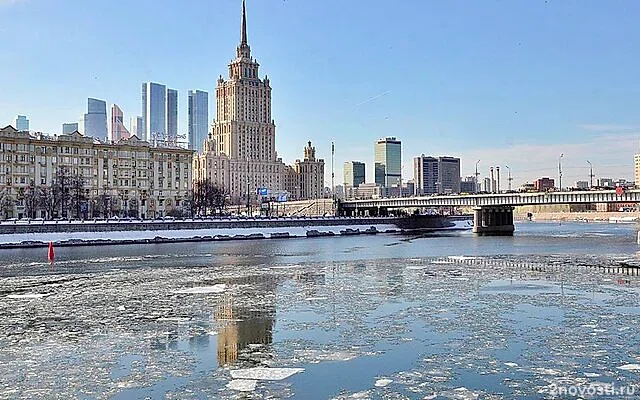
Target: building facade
{"x":354,"y":173}
{"x":388,"y":162}
{"x":95,"y":120}
{"x":154,"y":111}
{"x":436,"y":175}
{"x":544,"y":184}
{"x":118,"y":130}
{"x":242,"y":140}
{"x":130,"y":178}
{"x":70,"y":127}
{"x":22,"y":123}
{"x":198,"y":119}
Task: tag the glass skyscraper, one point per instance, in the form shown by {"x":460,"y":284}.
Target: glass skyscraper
{"x":388,"y":162}
{"x":198,"y":119}
{"x":154,"y":111}
{"x":22,"y":123}
{"x":137,"y":127}
{"x":172,"y":116}
{"x":70,"y":127}
{"x":95,"y":120}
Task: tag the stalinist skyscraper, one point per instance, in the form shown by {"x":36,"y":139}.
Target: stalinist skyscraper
{"x":240,"y":154}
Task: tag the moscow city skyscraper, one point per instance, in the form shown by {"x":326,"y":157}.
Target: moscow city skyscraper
{"x":198,"y":119}
{"x":22,"y":123}
{"x":137,"y":127}
{"x":172,"y":116}
{"x":118,"y":130}
{"x":95,"y":120}
{"x":154,"y":111}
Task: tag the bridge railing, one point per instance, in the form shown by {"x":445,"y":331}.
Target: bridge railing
{"x":506,"y":199}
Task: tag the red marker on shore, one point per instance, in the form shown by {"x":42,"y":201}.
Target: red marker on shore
{"x":51,"y":253}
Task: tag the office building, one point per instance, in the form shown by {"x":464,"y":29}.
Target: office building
{"x":198,"y":119}
{"x":154,"y":111}
{"x":468,"y":184}
{"x":70,"y":127}
{"x":133,"y":177}
{"x":544,"y":184}
{"x":118,"y":130}
{"x":22,"y":123}
{"x":354,"y":173}
{"x":582,"y":185}
{"x":95,"y":120}
{"x":388,"y":162}
{"x":436,"y":175}
{"x":172,"y":117}
{"x":137,"y":127}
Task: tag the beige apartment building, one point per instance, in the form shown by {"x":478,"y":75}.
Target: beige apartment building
{"x":240,"y":154}
{"x":130,"y":178}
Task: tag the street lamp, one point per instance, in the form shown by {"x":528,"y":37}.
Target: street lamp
{"x":493,"y":182}
{"x":509,"y":178}
{"x":560,"y":171}
{"x":590,"y":174}
{"x":477,"y":176}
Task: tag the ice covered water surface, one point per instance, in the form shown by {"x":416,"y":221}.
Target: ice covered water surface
{"x":451,"y":327}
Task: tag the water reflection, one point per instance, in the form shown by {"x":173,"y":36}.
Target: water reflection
{"x":248,"y":319}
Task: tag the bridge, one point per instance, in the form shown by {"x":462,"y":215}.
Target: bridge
{"x":493,"y":213}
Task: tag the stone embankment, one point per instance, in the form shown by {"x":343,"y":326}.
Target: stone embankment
{"x":586,"y":216}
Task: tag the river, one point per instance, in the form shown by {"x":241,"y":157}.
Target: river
{"x":448,"y":315}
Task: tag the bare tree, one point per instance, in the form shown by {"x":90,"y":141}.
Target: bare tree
{"x":49,"y":200}
{"x":7,"y":203}
{"x":31,"y":199}
{"x":77,"y":196}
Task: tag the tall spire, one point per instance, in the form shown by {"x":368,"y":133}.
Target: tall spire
{"x":243,"y":37}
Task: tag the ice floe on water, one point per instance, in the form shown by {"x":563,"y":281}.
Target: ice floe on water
{"x":382,"y":382}
{"x":267,"y":374}
{"x":242,"y":385}
{"x":630,"y":367}
{"x":203,"y":289}
{"x":501,"y":327}
{"x":28,"y":296}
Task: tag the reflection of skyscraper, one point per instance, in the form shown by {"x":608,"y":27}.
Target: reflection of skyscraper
{"x":154,"y":110}
{"x":118,"y":131}
{"x":198,"y":119}
{"x":95,"y":120}
{"x":172,"y":116}
{"x":242,"y":325}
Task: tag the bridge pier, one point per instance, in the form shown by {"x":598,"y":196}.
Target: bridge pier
{"x":493,"y":221}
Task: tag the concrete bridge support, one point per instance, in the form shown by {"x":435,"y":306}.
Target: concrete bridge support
{"x":493,"y":221}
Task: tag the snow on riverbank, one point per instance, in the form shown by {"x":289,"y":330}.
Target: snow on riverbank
{"x":238,"y":233}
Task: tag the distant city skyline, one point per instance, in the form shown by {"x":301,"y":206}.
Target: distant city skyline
{"x":498,"y":89}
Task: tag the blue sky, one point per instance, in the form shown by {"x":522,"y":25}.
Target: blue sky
{"x":507,"y":82}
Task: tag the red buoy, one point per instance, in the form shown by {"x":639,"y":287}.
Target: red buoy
{"x":51,"y":253}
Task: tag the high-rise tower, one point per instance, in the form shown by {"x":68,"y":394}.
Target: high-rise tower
{"x":198,"y":119}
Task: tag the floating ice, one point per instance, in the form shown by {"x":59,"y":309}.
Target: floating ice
{"x":591,"y":375}
{"x":267,"y":374}
{"x":630,"y":367}
{"x":219,"y":288}
{"x":242,"y":385}
{"x":27,"y":296}
{"x":382,"y":382}
{"x":511,"y":364}
{"x":315,"y":298}
{"x":121,"y":308}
